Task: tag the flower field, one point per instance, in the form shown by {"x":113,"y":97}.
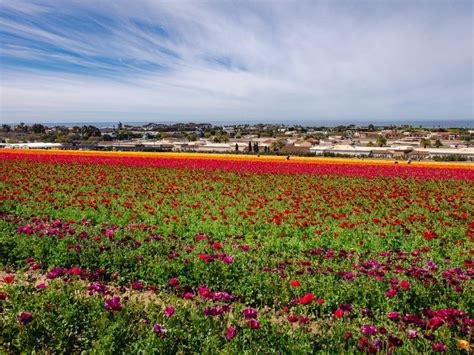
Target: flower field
{"x":166,"y":253}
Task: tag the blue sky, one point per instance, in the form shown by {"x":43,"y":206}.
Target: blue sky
{"x":236,"y":61}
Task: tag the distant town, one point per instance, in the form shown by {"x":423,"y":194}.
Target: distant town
{"x":388,"y":142}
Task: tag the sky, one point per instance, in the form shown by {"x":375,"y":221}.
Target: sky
{"x":236,"y":61}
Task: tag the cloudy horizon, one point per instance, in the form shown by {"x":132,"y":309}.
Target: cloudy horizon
{"x":236,"y":61}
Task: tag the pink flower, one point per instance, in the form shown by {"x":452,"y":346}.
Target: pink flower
{"x":174,"y":281}
{"x":169,"y":311}
{"x":228,"y":259}
{"x":392,"y":292}
{"x":230,"y":334}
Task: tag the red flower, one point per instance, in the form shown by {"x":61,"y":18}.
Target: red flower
{"x":294,"y":283}
{"x":405,"y":285}
{"x":8,"y":279}
{"x":320,"y":300}
{"x":338,"y":313}
{"x":308,"y":298}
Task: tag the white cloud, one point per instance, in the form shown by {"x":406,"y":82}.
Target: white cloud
{"x":222,"y":60}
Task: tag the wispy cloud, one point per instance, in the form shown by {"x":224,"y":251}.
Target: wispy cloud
{"x":316,"y":60}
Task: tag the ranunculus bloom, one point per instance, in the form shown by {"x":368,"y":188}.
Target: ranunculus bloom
{"x":369,"y":329}
{"x":113,"y":304}
{"x":320,"y":300}
{"x":463,"y":344}
{"x":249,"y":313}
{"x":25,"y":317}
{"x":292,"y":319}
{"x":412,"y":334}
{"x":308,"y":298}
{"x":392,"y":292}
{"x":393,"y":316}
{"x":169,"y":311}
{"x":394,"y":341}
{"x":174,"y":281}
{"x":294,"y":283}
{"x":405,"y":285}
{"x":253,"y":324}
{"x":41,"y":286}
{"x":439,"y":347}
{"x":3,"y":295}
{"x":230,"y":334}
{"x":228,"y":259}
{"x":137,"y":285}
{"x":338,"y":313}
{"x":159,"y":329}
{"x":8,"y":279}
{"x":435,"y":322}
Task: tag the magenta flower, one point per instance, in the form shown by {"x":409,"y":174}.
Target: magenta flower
{"x":228,"y":259}
{"x":169,"y":311}
{"x":159,"y":329}
{"x":393,"y":316}
{"x":253,"y":324}
{"x":41,"y":286}
{"x":113,"y":304}
{"x":25,"y":318}
{"x":249,"y":313}
{"x":230,"y":334}
{"x":369,"y":329}
{"x":137,"y":286}
{"x":439,"y":347}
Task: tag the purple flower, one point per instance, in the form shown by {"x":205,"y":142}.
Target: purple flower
{"x":369,"y":329}
{"x":25,"y":317}
{"x":249,"y":313}
{"x":41,"y":286}
{"x":230,"y":333}
{"x":113,"y":304}
{"x":169,"y":311}
{"x":159,"y":329}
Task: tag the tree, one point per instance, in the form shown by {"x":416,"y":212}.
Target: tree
{"x":381,"y":141}
{"x":38,"y":128}
{"x":255,"y":147}
{"x":425,"y":143}
{"x":6,"y":128}
{"x":21,"y":128}
{"x":370,"y":144}
{"x":438,"y":143}
{"x":277,"y":145}
{"x":371,"y":127}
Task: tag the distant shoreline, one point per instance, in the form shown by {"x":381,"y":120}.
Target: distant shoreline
{"x":304,"y":123}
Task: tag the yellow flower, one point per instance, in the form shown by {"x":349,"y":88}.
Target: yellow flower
{"x":463,"y":344}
